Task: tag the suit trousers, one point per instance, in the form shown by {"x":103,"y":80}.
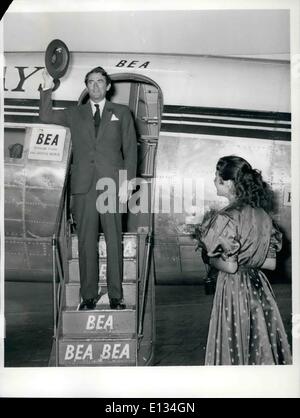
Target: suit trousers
{"x":87,"y":224}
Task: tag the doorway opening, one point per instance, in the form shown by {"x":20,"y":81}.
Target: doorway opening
{"x":145,"y":101}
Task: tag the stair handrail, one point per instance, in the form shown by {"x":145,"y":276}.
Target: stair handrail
{"x":56,"y":268}
{"x":58,"y":291}
{"x":147,"y":259}
{"x":145,"y":279}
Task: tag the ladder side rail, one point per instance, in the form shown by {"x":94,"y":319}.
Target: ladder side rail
{"x":58,"y":290}
{"x":151,"y":298}
{"x":145,"y":278}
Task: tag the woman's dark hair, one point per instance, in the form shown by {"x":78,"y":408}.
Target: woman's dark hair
{"x":98,"y":70}
{"x":249,"y":186}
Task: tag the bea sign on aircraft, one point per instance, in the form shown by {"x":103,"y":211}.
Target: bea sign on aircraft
{"x":47,"y":144}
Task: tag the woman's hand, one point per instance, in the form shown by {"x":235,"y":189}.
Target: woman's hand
{"x":229,"y":265}
{"x":269,"y":264}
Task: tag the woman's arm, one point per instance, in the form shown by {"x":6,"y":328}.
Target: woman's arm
{"x":269,"y":264}
{"x":229,"y":266}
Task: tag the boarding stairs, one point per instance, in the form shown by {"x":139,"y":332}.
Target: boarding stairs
{"x":105,"y":337}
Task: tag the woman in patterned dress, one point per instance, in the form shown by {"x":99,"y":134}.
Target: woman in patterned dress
{"x":245,"y":326}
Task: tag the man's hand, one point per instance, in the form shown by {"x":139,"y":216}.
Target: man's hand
{"x":47,"y":80}
{"x":125,"y":191}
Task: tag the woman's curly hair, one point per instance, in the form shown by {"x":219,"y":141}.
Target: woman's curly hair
{"x":250,"y":188}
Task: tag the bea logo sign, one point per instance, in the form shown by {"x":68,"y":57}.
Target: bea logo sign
{"x":47,"y":144}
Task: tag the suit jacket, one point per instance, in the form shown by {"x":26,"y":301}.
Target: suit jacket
{"x":113,"y":149}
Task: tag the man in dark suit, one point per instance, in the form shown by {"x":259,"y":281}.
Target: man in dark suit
{"x":103,"y":142}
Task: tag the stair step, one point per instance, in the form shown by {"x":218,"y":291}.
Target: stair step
{"x":129,"y":270}
{"x":72,"y":294}
{"x":95,"y":352}
{"x":129,"y":246}
{"x":104,"y":322}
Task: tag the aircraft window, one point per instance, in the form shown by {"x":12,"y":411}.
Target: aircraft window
{"x":14,"y":142}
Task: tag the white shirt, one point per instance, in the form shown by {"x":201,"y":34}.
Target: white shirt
{"x":101,"y":106}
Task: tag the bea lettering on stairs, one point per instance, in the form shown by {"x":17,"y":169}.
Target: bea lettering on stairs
{"x":108,"y":351}
{"x":99,"y":322}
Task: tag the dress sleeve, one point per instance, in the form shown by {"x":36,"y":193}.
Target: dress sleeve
{"x":275,"y":241}
{"x":221,"y":237}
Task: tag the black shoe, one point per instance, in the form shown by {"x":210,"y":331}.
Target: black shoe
{"x":87,"y":305}
{"x":117,"y":304}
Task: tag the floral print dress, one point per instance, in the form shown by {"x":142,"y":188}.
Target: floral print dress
{"x":245,"y":326}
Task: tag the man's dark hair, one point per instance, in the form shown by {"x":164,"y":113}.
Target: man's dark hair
{"x":98,"y":70}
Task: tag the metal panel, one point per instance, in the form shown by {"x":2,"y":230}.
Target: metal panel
{"x":72,"y":295}
{"x":27,"y":259}
{"x":97,"y":353}
{"x":129,"y":270}
{"x":129,"y":246}
{"x":186,"y":167}
{"x":33,"y":192}
{"x":104,"y":323}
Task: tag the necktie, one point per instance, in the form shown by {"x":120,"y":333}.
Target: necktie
{"x":97,"y":118}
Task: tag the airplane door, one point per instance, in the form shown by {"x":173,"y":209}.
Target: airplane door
{"x":145,"y":100}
